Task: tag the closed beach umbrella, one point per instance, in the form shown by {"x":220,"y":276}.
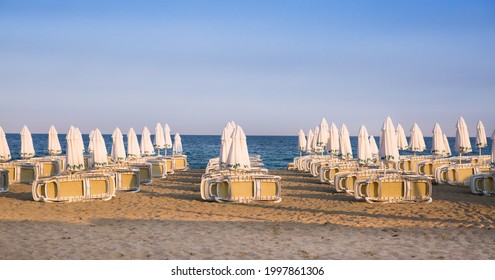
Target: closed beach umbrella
{"x":446,"y":145}
{"x":364,"y":150}
{"x":309,"y":141}
{"x":417,"y":141}
{"x":388,"y":151}
{"x":437,"y":142}
{"x":177,"y":147}
{"x":91,"y":143}
{"x":333,"y":145}
{"x":27,"y":148}
{"x":4,"y":147}
{"x":225,"y":142}
{"x":133,"y":151}
{"x":168,"y":139}
{"x":238,"y":155}
{"x":159,"y":138}
{"x":314,"y":143}
{"x":118,"y":148}
{"x":345,"y":143}
{"x":79,"y":139}
{"x":401,"y":138}
{"x":100,"y":155}
{"x":146,"y":144}
{"x":374,"y":147}
{"x":301,"y":141}
{"x":462,"y":142}
{"x":74,"y":153}
{"x":480,"y":136}
{"x":53,"y":142}
{"x":322,"y":134}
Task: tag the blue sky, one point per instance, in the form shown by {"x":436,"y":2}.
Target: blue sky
{"x":271,"y":66}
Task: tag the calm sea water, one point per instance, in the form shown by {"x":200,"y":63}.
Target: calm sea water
{"x":276,"y":151}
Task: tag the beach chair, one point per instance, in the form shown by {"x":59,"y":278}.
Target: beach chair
{"x":4,"y":180}
{"x":46,"y":166}
{"x":327,"y":174}
{"x":460,"y":174}
{"x":291,"y":166}
{"x":483,"y":183}
{"x":180,"y":163}
{"x":344,"y":181}
{"x":249,"y":188}
{"x":74,"y":187}
{"x":441,"y":174}
{"x":21,"y":172}
{"x":410,"y":163}
{"x":125,"y":178}
{"x":145,"y":171}
{"x":208,"y":186}
{"x":394,"y":188}
{"x":427,"y":167}
{"x":316,"y":165}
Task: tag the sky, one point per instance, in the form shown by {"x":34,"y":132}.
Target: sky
{"x":272,"y":66}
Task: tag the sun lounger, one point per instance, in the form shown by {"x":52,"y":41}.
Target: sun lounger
{"x":344,"y":181}
{"x":460,"y":174}
{"x":209,"y":181}
{"x":441,"y":174}
{"x":21,"y":172}
{"x":245,"y":189}
{"x":4,"y":180}
{"x":125,"y":178}
{"x":327,"y":173}
{"x":428,"y":167}
{"x":180,"y":163}
{"x":394,"y":188}
{"x":409,"y":163}
{"x":483,"y":183}
{"x":145,"y":171}
{"x":74,"y":187}
{"x":46,"y":166}
{"x":316,"y":165}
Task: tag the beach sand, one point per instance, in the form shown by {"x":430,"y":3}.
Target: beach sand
{"x":168,"y":220}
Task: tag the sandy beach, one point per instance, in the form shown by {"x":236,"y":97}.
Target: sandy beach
{"x":168,"y":220}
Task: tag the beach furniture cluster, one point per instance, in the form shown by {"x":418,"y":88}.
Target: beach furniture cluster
{"x":96,"y":175}
{"x":235,"y":176}
{"x":380,"y":174}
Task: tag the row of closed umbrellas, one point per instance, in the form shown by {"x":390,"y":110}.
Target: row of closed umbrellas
{"x":97,"y":147}
{"x":325,"y":137}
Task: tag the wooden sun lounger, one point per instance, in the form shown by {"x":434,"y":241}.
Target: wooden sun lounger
{"x":75,"y":187}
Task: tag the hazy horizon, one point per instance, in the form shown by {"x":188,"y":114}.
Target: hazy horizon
{"x":273,"y":67}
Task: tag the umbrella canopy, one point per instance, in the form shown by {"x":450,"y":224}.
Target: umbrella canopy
{"x":100,"y":155}
{"x":27,"y":148}
{"x":118,"y":149}
{"x":53,"y":142}
{"x":238,"y":155}
{"x":133,"y":151}
{"x":4,"y":147}
{"x":74,"y":153}
{"x":159,"y":137}
{"x":225,"y":142}
{"x":309,"y":141}
{"x":401,"y":138}
{"x":417,"y":141}
{"x":168,"y":139}
{"x":146,"y":144}
{"x":374,"y":147}
{"x":493,"y":148}
{"x":446,"y":145}
{"x":462,"y":142}
{"x":301,"y":141}
{"x":314,"y":143}
{"x":177,"y":147}
{"x":388,"y":151}
{"x":437,"y":143}
{"x":322,"y":133}
{"x":345,"y":143}
{"x":364,"y":149}
{"x":79,"y":139}
{"x":333,"y":145}
{"x":91,"y":143}
{"x":480,"y":136}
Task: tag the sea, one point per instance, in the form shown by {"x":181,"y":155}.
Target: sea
{"x":275,"y":151}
